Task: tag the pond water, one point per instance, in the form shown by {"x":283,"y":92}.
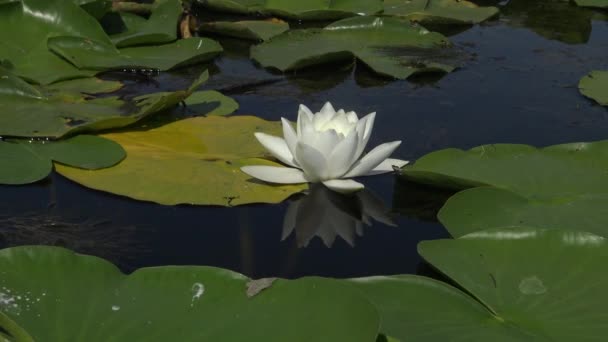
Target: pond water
{"x":517,"y":85}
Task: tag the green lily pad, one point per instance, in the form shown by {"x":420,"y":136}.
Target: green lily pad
{"x":46,"y":289}
{"x":192,"y":161}
{"x":389,"y":46}
{"x":512,"y":290}
{"x":96,"y":8}
{"x":486,"y":207}
{"x":199,"y":102}
{"x":26,"y":111}
{"x":595,"y":86}
{"x":559,"y":171}
{"x":160,"y":27}
{"x":88,"y":54}
{"x":439,"y":11}
{"x":26,"y":162}
{"x":592,"y":3}
{"x":297,"y":10}
{"x":258,"y":30}
{"x":32,"y":19}
{"x":89,"y":85}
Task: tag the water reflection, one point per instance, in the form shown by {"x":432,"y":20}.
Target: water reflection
{"x":327,"y":214}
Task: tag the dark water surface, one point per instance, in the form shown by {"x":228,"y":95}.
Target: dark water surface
{"x":518,"y":85}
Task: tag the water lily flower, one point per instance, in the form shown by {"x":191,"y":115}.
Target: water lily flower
{"x":325,"y":147}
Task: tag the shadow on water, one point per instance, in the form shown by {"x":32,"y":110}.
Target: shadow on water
{"x":519,"y":87}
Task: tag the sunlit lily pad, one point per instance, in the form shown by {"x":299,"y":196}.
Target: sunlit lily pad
{"x":257,"y":30}
{"x":302,"y":10}
{"x":160,"y":27}
{"x":45,"y":290}
{"x":592,"y":3}
{"x":439,"y":11}
{"x":192,"y":161}
{"x":389,"y":46}
{"x":25,"y":162}
{"x":27,"y":111}
{"x":514,"y":291}
{"x":486,"y":207}
{"x":552,"y":172}
{"x":595,"y":86}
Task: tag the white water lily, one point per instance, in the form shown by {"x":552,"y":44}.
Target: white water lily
{"x":326,"y":147}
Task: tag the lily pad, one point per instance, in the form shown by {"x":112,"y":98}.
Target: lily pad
{"x":258,"y":30}
{"x":38,"y":20}
{"x":26,"y":111}
{"x":439,"y":11}
{"x":595,"y":86}
{"x":389,"y":46}
{"x":512,"y":290}
{"x":160,"y":27}
{"x":26,"y":162}
{"x":89,"y":85}
{"x":46,"y":289}
{"x":559,"y":171}
{"x":93,"y":55}
{"x":192,"y":161}
{"x":200,"y":101}
{"x":486,"y":207}
{"x":300,"y":10}
{"x":592,"y":3}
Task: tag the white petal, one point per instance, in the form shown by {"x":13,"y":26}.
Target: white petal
{"x":277,"y":147}
{"x":343,"y":186}
{"x":364,"y":129}
{"x":324,"y":142}
{"x":312,"y":161}
{"x":275,"y":174}
{"x":372,"y":159}
{"x":387,"y":166}
{"x":303,"y":110}
{"x":324,"y":115}
{"x":343,"y":156}
{"x":290,"y":138}
{"x":352,"y":117}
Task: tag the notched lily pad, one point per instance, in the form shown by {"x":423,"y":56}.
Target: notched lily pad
{"x":389,"y":46}
{"x":439,"y":11}
{"x":556,"y":171}
{"x":595,"y":86}
{"x":192,"y":161}
{"x":57,"y":110}
{"x":46,"y":289}
{"x":258,"y":30}
{"x":210,"y":102}
{"x":26,"y":162}
{"x":487,"y":207}
{"x":592,"y":3}
{"x":297,"y":10}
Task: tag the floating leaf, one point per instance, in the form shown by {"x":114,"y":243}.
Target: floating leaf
{"x":55,"y":111}
{"x":486,"y":207}
{"x":192,"y":161}
{"x":199,"y":102}
{"x":389,"y":46}
{"x":595,"y":86}
{"x":592,"y":3}
{"x":38,"y":20}
{"x":248,"y":29}
{"x":559,"y":171}
{"x":89,"y":85}
{"x":25,"y":162}
{"x":46,"y":289}
{"x":300,"y":10}
{"x":160,"y":27}
{"x":439,"y":11}
{"x":514,"y":292}
{"x":93,"y":55}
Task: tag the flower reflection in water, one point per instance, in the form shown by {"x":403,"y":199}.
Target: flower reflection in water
{"x":327,"y":214}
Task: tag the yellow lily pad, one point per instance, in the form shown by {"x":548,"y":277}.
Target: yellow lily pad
{"x":193,"y":161}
